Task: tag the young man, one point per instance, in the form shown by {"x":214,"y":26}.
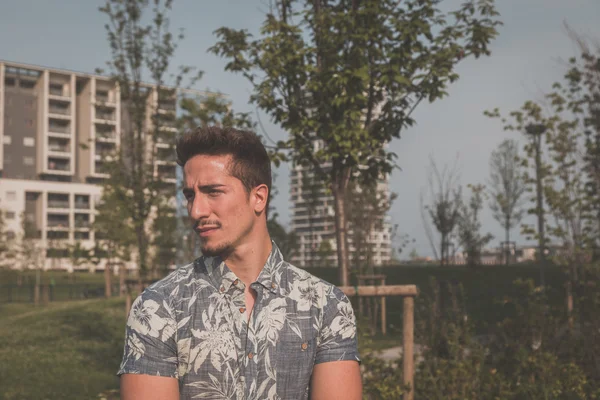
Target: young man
{"x":239,"y":322}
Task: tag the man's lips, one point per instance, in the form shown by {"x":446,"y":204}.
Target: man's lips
{"x":206,"y":230}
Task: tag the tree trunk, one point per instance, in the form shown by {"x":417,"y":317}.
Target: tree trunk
{"x":142,"y":251}
{"x":507,"y":248}
{"x":540,"y":210}
{"x":339,"y":198}
{"x":122,"y":274}
{"x":36,"y":290}
{"x":442,"y":252}
{"x":107,"y":279}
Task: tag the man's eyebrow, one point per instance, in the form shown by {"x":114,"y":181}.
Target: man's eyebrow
{"x":203,"y":188}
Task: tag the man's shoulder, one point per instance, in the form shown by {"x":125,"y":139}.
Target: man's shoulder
{"x":301,"y":275}
{"x":179,"y":277}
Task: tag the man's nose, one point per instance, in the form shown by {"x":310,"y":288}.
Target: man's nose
{"x":199,"y":208}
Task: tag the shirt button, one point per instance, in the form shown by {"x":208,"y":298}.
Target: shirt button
{"x":222,"y":289}
{"x":304,"y":346}
{"x":250,"y":355}
{"x":273,"y":286}
{"x":242,"y":310}
{"x":236,"y":282}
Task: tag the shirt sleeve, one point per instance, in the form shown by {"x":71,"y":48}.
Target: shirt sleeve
{"x":150,"y":347}
{"x":337,"y":339}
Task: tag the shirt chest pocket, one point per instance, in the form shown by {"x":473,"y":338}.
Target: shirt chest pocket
{"x":295,"y":359}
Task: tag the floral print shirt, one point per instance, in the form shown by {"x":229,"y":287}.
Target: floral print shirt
{"x":192,"y":325}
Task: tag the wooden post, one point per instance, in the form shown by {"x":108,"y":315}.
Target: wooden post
{"x":408,"y":292}
{"x":407,"y":346}
{"x":383,"y":312}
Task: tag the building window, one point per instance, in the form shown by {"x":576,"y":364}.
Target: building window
{"x":10,"y":215}
{"x":28,"y":142}
{"x":7,"y":139}
{"x":9,"y":81}
{"x":31,"y":196}
{"x":82,"y":235}
{"x":11,"y":196}
{"x":28,"y":161}
{"x":26,"y":84}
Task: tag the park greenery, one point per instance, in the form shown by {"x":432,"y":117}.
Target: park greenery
{"x":348,"y":75}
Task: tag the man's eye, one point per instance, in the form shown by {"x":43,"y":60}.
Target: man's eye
{"x":214,"y":193}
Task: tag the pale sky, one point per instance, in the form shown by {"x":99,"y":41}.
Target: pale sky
{"x":525,"y":60}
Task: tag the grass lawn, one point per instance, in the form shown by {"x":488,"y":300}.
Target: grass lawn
{"x":72,"y":350}
{"x":66,"y":350}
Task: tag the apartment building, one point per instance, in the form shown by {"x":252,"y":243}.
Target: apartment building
{"x":313,"y":214}
{"x":57,"y":128}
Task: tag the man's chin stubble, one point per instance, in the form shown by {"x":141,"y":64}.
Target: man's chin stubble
{"x":215,"y":251}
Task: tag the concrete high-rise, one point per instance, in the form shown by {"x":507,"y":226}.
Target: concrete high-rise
{"x":312,"y":209}
{"x":56,"y":129}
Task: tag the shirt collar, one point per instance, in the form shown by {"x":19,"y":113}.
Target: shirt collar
{"x":224,"y":278}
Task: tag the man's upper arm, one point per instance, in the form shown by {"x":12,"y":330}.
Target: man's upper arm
{"x":148,"y":387}
{"x":150,"y":356}
{"x":336,"y":380}
{"x":337,"y":359}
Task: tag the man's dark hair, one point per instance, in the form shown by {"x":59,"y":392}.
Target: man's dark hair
{"x":250,"y":162}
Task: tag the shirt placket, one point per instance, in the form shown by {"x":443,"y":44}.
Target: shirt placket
{"x":252,"y":354}
{"x":241,"y":329}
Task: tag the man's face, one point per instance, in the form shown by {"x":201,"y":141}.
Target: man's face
{"x":220,"y":208}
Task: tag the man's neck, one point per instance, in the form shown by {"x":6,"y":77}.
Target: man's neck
{"x":249,"y":258}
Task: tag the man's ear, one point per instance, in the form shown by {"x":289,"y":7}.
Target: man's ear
{"x":261,"y":195}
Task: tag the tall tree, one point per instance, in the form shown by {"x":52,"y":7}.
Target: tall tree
{"x":8,"y":246}
{"x":506,"y":189}
{"x":287,"y":241}
{"x":444,"y":208}
{"x":580,"y":95}
{"x":114,"y":237}
{"x":315,"y":210}
{"x":142,"y":47}
{"x":31,"y":253}
{"x":368,"y":205}
{"x":531,"y":121}
{"x":210,"y":110}
{"x":165,"y":239}
{"x":350,"y":74}
{"x":469,"y":226}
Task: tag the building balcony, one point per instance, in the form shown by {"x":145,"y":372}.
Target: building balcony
{"x":105,"y":117}
{"x":83,"y":235}
{"x":58,"y":90}
{"x":166,"y":155}
{"x":57,"y":234}
{"x":57,"y":221}
{"x":59,"y":155}
{"x":105,"y":99}
{"x":106,"y":135}
{"x":82,"y":205}
{"x":164,"y":140}
{"x":59,"y":164}
{"x":63,"y":129}
{"x":57,"y":147}
{"x":100,"y":168}
{"x":58,"y":204}
{"x":82,"y":223}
